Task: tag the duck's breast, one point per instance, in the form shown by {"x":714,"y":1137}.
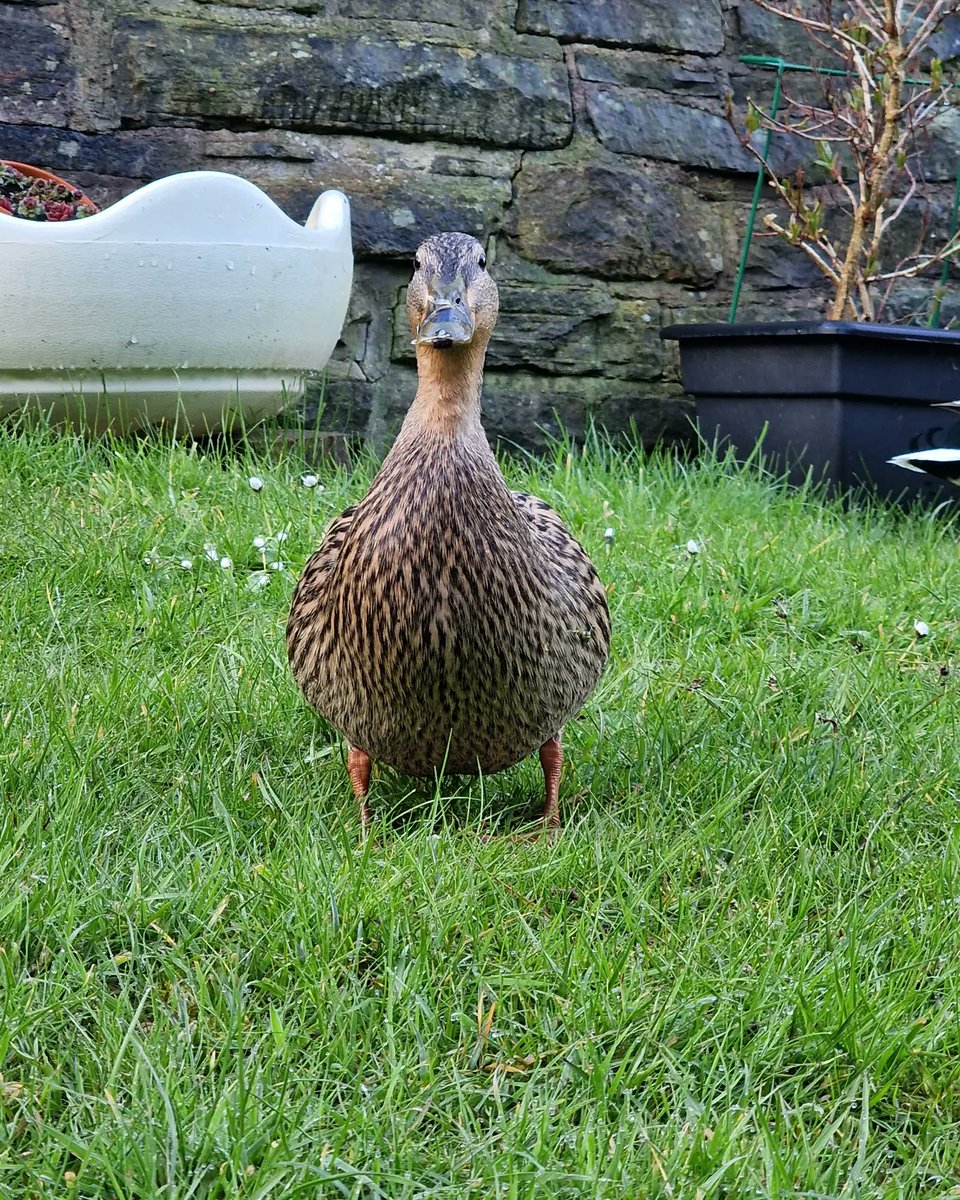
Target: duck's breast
{"x":456,"y":628}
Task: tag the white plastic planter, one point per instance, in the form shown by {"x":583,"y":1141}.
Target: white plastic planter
{"x":192,"y":300}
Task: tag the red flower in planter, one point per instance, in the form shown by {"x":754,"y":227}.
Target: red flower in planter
{"x":59,"y":210}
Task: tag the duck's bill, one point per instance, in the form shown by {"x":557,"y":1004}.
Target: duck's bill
{"x":444,"y":326}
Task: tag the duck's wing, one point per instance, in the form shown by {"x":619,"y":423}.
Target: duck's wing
{"x":310,"y":594}
{"x":572,"y":575}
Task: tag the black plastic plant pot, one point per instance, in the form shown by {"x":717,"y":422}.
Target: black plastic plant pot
{"x":831,"y":397}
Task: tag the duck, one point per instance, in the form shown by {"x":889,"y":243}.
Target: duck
{"x":939,"y":463}
{"x":447,"y":623}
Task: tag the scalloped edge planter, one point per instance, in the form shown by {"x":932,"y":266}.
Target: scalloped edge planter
{"x":193,"y":300}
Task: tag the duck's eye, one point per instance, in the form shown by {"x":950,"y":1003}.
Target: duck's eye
{"x":482,"y":261}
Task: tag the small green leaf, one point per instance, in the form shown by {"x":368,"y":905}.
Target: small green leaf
{"x":277,"y":1029}
{"x":753,"y":118}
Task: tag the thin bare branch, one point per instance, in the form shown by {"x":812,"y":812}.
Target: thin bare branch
{"x":921,"y":264}
{"x":809,"y":23}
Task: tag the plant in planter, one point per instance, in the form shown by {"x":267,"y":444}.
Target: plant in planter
{"x":845,"y":394}
{"x":38,"y":195}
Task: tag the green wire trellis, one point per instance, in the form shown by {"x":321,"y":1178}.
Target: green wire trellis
{"x":781,"y":66}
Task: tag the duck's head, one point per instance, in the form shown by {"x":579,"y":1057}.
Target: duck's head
{"x":451,"y":302}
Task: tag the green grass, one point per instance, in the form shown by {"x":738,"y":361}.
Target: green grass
{"x":735,"y":973}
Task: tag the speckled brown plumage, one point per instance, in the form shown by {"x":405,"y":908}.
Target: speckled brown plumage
{"x":445,"y":621}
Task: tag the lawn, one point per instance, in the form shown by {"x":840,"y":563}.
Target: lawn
{"x":736,"y":973}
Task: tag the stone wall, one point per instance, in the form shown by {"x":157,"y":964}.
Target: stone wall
{"x":582,"y":140}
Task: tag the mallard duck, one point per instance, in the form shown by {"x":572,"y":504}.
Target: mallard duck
{"x":941,"y":463}
{"x":446,"y":622}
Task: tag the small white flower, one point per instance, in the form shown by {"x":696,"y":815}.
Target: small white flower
{"x":277,"y":566}
{"x":692,"y":547}
{"x":282,"y":535}
{"x":151,"y":558}
{"x":608,"y":535}
{"x":259,"y":541}
{"x":210,"y":551}
{"x":257,"y":581}
{"x":226,"y":562}
{"x":256,"y":483}
{"x":921,"y":628}
{"x":186,"y":564}
{"x":309,"y":481}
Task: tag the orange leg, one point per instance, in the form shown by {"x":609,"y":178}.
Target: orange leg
{"x":551,"y":760}
{"x":358,"y":768}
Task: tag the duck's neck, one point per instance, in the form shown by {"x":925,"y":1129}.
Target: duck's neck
{"x":447,"y":403}
{"x":442,"y":445}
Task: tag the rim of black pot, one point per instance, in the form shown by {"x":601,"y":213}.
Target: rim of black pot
{"x":772,"y":329}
